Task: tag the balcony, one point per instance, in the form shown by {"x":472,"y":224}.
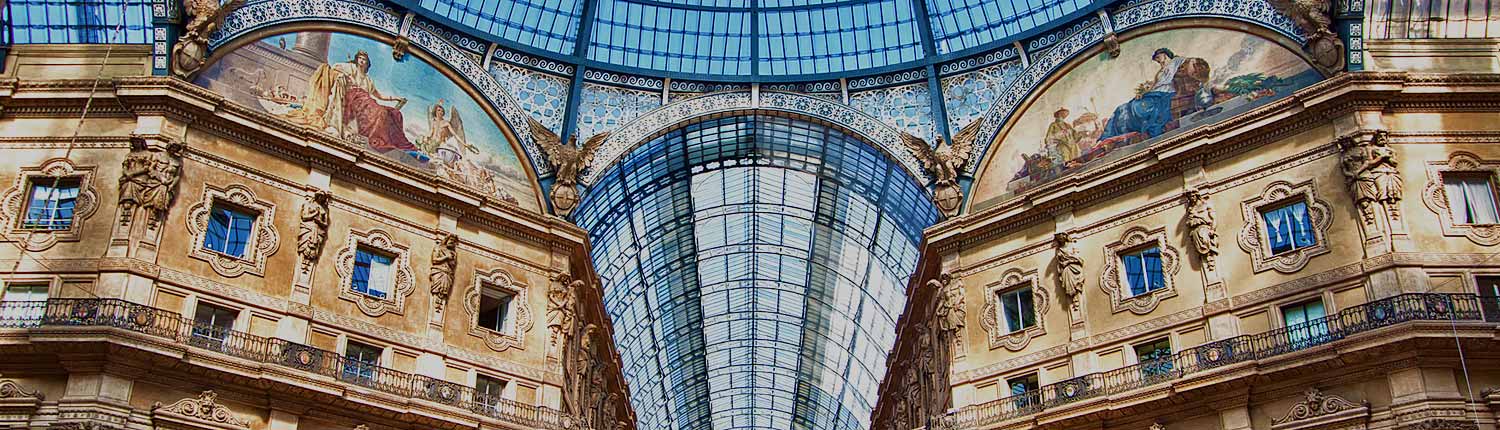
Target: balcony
{"x":171,"y":326}
{"x":1359,"y":319}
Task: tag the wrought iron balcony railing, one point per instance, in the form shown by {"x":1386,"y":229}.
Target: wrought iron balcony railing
{"x":172,"y":326}
{"x":1358,"y":319}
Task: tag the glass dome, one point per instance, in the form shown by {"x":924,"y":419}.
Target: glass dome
{"x":735,"y":39}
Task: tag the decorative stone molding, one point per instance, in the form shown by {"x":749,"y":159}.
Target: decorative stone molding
{"x":499,"y":341}
{"x":562,"y":296}
{"x":1252,"y":235}
{"x":1442,"y":425}
{"x":15,"y":200}
{"x":1322,"y":411}
{"x":402,"y":282}
{"x":1435,"y":197}
{"x":991,"y":321}
{"x":1112,"y":281}
{"x":17,"y":405}
{"x":202,"y":412}
{"x":149,"y":179}
{"x":11,"y":390}
{"x":263,"y":242}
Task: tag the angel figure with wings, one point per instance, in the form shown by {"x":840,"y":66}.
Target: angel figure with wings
{"x":568,"y":160}
{"x":945,"y":163}
{"x":445,"y":138}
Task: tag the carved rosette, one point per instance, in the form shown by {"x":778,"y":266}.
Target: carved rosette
{"x":16,"y":198}
{"x":499,"y":341}
{"x":402,"y":282}
{"x":1252,"y":237}
{"x":1435,"y":195}
{"x":197,"y":412}
{"x":991,"y":319}
{"x":1112,"y":281}
{"x":1319,"y":410}
{"x":264,"y":241}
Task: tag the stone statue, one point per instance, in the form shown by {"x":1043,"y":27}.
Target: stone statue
{"x":568,"y":160}
{"x":950,"y":304}
{"x":190,"y":53}
{"x":945,"y":163}
{"x":560,"y":313}
{"x":1200,"y":222}
{"x":150,"y":178}
{"x":1369,"y":167}
{"x":1312,"y":16}
{"x":444,"y":263}
{"x":312,"y":231}
{"x":1069,"y":269}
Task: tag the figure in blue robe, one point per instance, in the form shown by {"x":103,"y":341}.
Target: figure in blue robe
{"x":1149,"y":112}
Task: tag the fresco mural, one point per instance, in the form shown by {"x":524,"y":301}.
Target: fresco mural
{"x":1162,"y":84}
{"x":350,"y":86}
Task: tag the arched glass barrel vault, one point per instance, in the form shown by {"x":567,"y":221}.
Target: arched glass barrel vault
{"x":754,"y":267}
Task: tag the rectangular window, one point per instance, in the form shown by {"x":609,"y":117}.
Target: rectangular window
{"x":1143,"y":271}
{"x":1024,"y":390}
{"x":372,"y":273}
{"x":488,"y":391}
{"x":1019,"y":308}
{"x":1289,"y":227}
{"x":22,"y":303}
{"x":1489,"y":296}
{"x":360,"y":361}
{"x":494,"y":309}
{"x":1155,"y":357}
{"x":211,"y":325}
{"x":1471,"y":199}
{"x":1305,"y":324}
{"x":50,"y":206}
{"x":228,"y":230}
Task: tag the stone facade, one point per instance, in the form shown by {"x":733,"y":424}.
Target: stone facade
{"x":116,"y":345}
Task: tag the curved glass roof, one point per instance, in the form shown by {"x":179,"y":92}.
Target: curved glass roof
{"x":754,"y":268}
{"x":768,"y":38}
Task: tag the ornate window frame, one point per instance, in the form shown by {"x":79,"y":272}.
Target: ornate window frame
{"x":1252,"y":235}
{"x":402,"y":283}
{"x":991,"y":319}
{"x":1435,"y":196}
{"x":499,"y":278}
{"x":16,"y":198}
{"x":1112,"y":280}
{"x":264,"y":240}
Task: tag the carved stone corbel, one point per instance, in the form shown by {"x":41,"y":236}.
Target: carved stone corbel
{"x":196,"y":413}
{"x":17,"y":404}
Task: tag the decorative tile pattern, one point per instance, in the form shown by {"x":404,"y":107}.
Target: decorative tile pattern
{"x":604,"y":108}
{"x":967,"y":96}
{"x":543,"y":96}
{"x":907,"y":107}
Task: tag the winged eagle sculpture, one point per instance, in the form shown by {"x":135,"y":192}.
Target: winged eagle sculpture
{"x":945,"y":162}
{"x":568,"y":160}
{"x":190,"y":53}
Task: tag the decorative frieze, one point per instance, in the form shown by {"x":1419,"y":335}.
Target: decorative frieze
{"x":1323,"y":411}
{"x":263,"y":240}
{"x":1113,"y":281}
{"x":40,"y":235}
{"x":1253,"y":239}
{"x":193,"y":413}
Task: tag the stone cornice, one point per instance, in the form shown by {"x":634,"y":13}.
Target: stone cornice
{"x":210,"y":112}
{"x":1300,"y":112}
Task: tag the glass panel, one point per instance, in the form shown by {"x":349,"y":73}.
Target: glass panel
{"x":494,"y":307}
{"x":1289,"y":228}
{"x":1471,"y":200}
{"x":78,"y":21}
{"x":1304,"y":323}
{"x":21,"y":292}
{"x":51,"y":204}
{"x":1019,"y":308}
{"x":228,"y":231}
{"x":1155,"y":357}
{"x":360,"y":361}
{"x":372,"y":273}
{"x":211,"y":324}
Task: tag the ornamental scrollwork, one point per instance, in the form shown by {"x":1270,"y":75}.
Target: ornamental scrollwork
{"x":11,"y":390}
{"x":505,"y":339}
{"x":1113,"y":282}
{"x":998,"y":335}
{"x":14,"y":201}
{"x":1435,"y":195}
{"x":1252,"y":237}
{"x":1316,"y":404}
{"x":402,"y":279}
{"x":263,"y":241}
{"x":204,"y":407}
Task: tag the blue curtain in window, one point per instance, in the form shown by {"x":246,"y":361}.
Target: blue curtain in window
{"x":1289,"y":228}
